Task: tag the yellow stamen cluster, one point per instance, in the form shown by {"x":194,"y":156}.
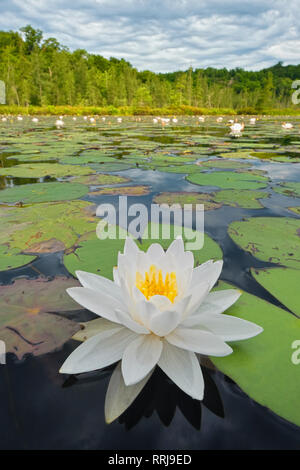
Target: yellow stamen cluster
{"x":152,"y":283}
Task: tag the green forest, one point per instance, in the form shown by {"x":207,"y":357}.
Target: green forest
{"x":42,"y":72}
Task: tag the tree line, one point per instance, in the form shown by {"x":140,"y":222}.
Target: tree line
{"x":42,"y":72}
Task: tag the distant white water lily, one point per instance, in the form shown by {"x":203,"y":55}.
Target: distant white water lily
{"x":287,"y":125}
{"x":59,"y":123}
{"x":237,"y":127}
{"x":158,"y":311}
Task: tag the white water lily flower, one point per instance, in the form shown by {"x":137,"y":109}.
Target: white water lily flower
{"x":158,"y":311}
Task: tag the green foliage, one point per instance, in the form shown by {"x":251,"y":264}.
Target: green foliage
{"x":41,"y":72}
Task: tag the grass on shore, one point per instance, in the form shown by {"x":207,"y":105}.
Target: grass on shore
{"x":140,"y":111}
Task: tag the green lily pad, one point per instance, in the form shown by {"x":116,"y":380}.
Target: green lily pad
{"x":99,"y":180}
{"x":28,"y":323}
{"x":41,"y":228}
{"x":266,"y":155}
{"x":184,"y":169}
{"x":283,"y":283}
{"x":88,"y":157}
{"x":43,"y":192}
{"x":238,"y":154}
{"x":229,"y":180}
{"x":226,"y":164}
{"x":247,"y":199}
{"x":94,"y":255}
{"x":262,"y":366}
{"x":295,"y":209}
{"x":187,"y":198}
{"x":273,"y":239}
{"x":39,"y":170}
{"x":163,"y":157}
{"x":11,"y":258}
{"x":122,"y":190}
{"x":111,"y":167}
{"x":288,"y":189}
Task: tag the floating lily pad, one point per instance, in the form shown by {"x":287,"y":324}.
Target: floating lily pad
{"x":229,"y":180}
{"x":99,"y":180}
{"x":185,"y":169}
{"x":163,"y":157}
{"x":238,"y":154}
{"x":94,"y":255}
{"x":88,"y":157}
{"x":247,"y":199}
{"x":39,"y":170}
{"x":122,"y":190}
{"x":295,"y":209}
{"x":41,"y":228}
{"x":43,"y":192}
{"x":283,"y":283}
{"x":11,"y":258}
{"x":273,"y":239}
{"x":266,"y":155}
{"x":28,"y":316}
{"x":111,"y":167}
{"x":226,"y":164}
{"x":262,"y":366}
{"x":187,"y":198}
{"x":288,"y":189}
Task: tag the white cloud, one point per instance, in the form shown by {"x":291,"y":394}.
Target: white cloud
{"x":165,"y":35}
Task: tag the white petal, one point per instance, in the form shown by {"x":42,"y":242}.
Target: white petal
{"x":93,"y":327}
{"x":116,"y":276}
{"x":198,"y":295}
{"x":161,"y":302}
{"x":137,"y":295}
{"x":221,"y":300}
{"x":140,"y":357}
{"x":127,"y":267}
{"x":183,"y":260}
{"x":98,"y":303}
{"x":155,"y":252}
{"x":125,"y":319}
{"x":176,"y":247}
{"x":119,"y":396}
{"x":199,"y":341}
{"x":209,"y":272}
{"x":130,"y":248}
{"x":212,"y":305}
{"x":99,"y":351}
{"x":229,"y":328}
{"x":99,"y":283}
{"x":163,"y":322}
{"x":146,"y":310}
{"x":184,"y":369}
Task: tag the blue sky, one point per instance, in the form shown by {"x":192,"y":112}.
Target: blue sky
{"x":165,"y":35}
